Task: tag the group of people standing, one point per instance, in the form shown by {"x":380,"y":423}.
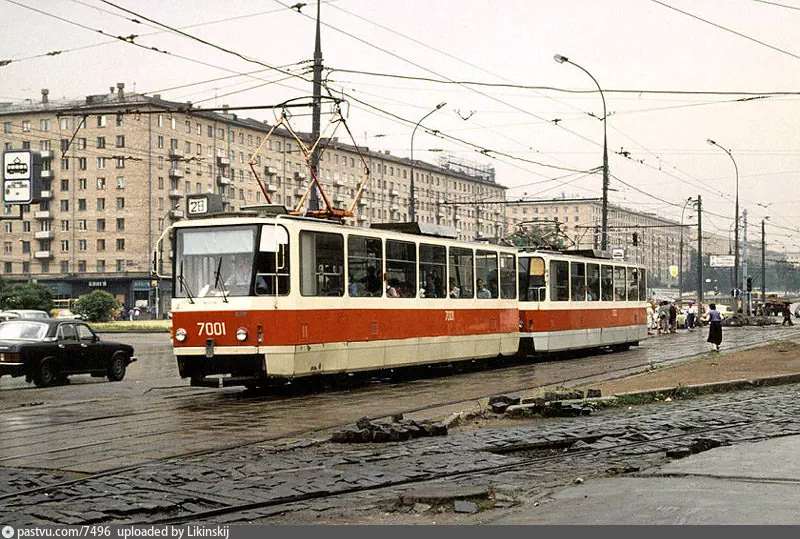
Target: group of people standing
{"x":663,"y":318}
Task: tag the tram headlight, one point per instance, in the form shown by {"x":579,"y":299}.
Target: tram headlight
{"x":180,"y":335}
{"x":241,"y":334}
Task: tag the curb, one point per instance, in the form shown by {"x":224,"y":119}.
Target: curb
{"x":715,"y":387}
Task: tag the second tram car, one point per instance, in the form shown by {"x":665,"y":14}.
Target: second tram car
{"x":571,"y":302}
{"x":264,"y":297}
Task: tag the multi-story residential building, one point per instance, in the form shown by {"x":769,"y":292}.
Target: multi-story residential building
{"x":118,"y":167}
{"x":645,"y":237}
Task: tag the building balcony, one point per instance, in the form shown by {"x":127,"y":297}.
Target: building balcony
{"x":46,"y":195}
{"x":270,"y":171}
{"x":394,"y":193}
{"x":223,"y":161}
{"x":338,"y":183}
{"x":222,"y":180}
{"x":299,"y":191}
{"x":362,"y":218}
{"x":46,"y":154}
{"x":44,"y":235}
{"x":338,"y":198}
{"x":362,"y":201}
{"x":299,"y":175}
{"x":271,"y":187}
{"x":175,"y":153}
{"x":394,"y":209}
{"x":47,"y":174}
{"x":176,"y":214}
{"x":42,"y":255}
{"x":176,"y":173}
{"x":42,"y":215}
{"x":459,"y":218}
{"x":175,"y":193}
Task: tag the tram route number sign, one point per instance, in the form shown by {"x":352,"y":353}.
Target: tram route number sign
{"x":22,"y":176}
{"x":203,"y":205}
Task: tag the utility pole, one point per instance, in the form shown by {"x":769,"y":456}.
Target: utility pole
{"x":699,"y":253}
{"x":313,"y":201}
{"x":744,"y":264}
{"x":763,"y":265}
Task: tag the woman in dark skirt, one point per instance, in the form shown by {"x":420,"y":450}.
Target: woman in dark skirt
{"x":714,"y":327}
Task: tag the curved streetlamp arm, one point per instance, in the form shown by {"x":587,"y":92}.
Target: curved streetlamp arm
{"x":412,"y":206}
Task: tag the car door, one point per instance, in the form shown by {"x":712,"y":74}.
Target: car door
{"x":70,"y":353}
{"x":92,"y":348}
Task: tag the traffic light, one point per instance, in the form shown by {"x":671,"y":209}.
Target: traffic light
{"x":635,"y":238}
{"x":749,"y":284}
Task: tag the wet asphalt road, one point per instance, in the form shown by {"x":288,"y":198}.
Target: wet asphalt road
{"x":92,"y":425}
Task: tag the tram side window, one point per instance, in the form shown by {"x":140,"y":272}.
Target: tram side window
{"x":322,"y":264}
{"x":578,"y":281}
{"x":401,"y":268}
{"x":272,"y":262}
{"x":607,"y":283}
{"x":532,"y":286}
{"x":508,"y":276}
{"x":633,"y":284}
{"x":593,"y":282}
{"x":642,"y":284}
{"x":365,"y":266}
{"x":432,"y":270}
{"x":559,"y":280}
{"x":486,"y":281}
{"x":619,"y":283}
{"x":461,"y":273}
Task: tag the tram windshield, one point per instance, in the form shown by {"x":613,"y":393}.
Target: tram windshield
{"x":214,"y":261}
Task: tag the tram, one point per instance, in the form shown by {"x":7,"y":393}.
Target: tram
{"x":571,"y":302}
{"x":263,"y":295}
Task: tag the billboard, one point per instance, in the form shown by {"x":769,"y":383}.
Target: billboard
{"x":722,"y":261}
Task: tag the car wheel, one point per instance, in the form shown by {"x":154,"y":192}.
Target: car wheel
{"x":116,"y":369}
{"x":46,"y":375}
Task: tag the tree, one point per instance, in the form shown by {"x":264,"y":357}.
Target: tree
{"x":97,"y":306}
{"x":26,"y":296}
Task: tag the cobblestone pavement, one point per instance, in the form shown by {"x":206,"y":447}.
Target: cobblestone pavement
{"x":309,"y":472}
{"x":54,"y":442}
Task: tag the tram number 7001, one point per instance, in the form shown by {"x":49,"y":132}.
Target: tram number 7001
{"x":211,"y":328}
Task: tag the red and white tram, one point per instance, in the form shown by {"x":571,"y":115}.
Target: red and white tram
{"x":262,"y":297}
{"x":570,"y":302}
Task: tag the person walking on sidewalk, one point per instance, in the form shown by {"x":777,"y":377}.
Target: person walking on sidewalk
{"x":714,"y":327}
{"x":787,"y":315}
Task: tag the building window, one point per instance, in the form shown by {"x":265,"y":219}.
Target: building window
{"x":26,"y":126}
{"x":120,"y":265}
{"x":64,"y":266}
{"x":101,"y":225}
{"x":160,"y":141}
{"x":81,"y":204}
{"x":101,"y":142}
{"x":161,"y":182}
{"x":81,"y":245}
{"x":101,"y":245}
{"x":120,"y":224}
{"x":101,"y":203}
{"x":44,"y":125}
{"x":101,"y":266}
{"x":120,"y":162}
{"x":120,"y":182}
{"x":64,"y":225}
{"x":9,"y":228}
{"x":7,"y":127}
{"x":82,"y":184}
{"x":65,"y":185}
{"x":65,"y":205}
{"x":120,"y":244}
{"x":101,"y":120}
{"x":101,"y":162}
{"x":82,"y":224}
{"x":120,"y":141}
{"x":8,"y":247}
{"x":65,"y":246}
{"x":101,"y":184}
{"x":81,"y":266}
{"x":120,"y":203}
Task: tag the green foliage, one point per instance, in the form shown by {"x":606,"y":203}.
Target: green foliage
{"x":97,"y":306}
{"x":26,"y":296}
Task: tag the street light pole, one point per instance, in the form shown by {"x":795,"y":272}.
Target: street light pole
{"x":412,"y":206}
{"x":763,"y":263}
{"x":735,"y":219}
{"x":680,"y":256}
{"x":604,"y":232}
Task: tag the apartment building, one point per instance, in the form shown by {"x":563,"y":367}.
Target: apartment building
{"x":118,"y":167}
{"x":645,"y":238}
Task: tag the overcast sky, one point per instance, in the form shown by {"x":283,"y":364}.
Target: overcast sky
{"x":541,"y":141}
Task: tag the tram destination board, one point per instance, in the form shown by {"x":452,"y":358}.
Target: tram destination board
{"x":203,"y":205}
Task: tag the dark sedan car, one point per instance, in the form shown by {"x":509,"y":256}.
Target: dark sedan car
{"x":47,"y":351}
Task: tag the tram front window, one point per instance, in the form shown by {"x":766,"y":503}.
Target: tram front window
{"x":214,"y":261}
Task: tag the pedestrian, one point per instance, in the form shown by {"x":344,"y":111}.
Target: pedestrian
{"x":673,"y":317}
{"x":650,"y":316}
{"x":787,"y":315}
{"x":691,"y":316}
{"x":663,"y":317}
{"x":714,"y":327}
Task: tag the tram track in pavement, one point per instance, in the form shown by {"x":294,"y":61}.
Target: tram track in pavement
{"x":607,"y":375}
{"x":558,"y":449}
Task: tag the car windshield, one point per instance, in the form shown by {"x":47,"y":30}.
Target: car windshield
{"x":27,"y":331}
